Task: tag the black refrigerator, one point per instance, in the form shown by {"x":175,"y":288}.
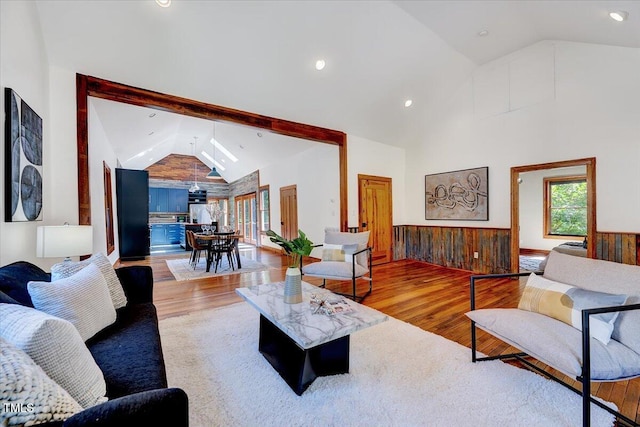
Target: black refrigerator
{"x":132,"y":193}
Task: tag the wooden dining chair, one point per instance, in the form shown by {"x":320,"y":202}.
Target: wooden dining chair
{"x":196,"y":248}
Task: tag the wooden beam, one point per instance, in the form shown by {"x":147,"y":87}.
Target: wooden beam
{"x":92,"y":86}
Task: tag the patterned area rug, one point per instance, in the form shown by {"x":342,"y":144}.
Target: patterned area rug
{"x":181,"y":269}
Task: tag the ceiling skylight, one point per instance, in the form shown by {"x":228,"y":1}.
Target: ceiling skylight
{"x":223,"y":150}
{"x":215,"y":162}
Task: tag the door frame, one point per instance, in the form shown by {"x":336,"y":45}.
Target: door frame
{"x":590,"y":164}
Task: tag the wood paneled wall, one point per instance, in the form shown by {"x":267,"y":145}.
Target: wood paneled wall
{"x":618,"y":247}
{"x":178,"y":167}
{"x":454,"y":247}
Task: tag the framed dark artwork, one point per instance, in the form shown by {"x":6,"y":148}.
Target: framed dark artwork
{"x":23,"y":160}
{"x":458,"y":195}
{"x":108,"y":207}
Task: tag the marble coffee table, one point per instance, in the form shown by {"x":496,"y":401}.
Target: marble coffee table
{"x":300,"y":345}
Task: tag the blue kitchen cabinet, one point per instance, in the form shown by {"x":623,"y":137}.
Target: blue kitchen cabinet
{"x":174,"y":200}
{"x":178,"y":200}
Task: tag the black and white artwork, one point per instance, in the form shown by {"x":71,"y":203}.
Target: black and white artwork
{"x":459,"y":195}
{"x":23,"y":160}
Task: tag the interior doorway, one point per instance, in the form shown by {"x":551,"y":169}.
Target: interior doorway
{"x":289,"y":212}
{"x":590,"y":164}
{"x":376,"y":215}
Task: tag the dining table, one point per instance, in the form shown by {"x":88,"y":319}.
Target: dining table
{"x":212,"y":237}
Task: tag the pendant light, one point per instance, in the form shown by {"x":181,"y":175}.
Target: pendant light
{"x":214,"y":174}
{"x":195,"y":186}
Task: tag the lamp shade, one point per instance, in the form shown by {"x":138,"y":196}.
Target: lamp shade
{"x":213,"y":174}
{"x":55,"y":241}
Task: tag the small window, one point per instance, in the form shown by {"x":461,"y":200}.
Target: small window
{"x":265,"y":223}
{"x":565,"y":201}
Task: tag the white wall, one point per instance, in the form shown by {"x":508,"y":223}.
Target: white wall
{"x":374,"y":158}
{"x":315,"y":172}
{"x":549,"y":102}
{"x":319,"y":206}
{"x":100,"y":150}
{"x":23,"y":68}
{"x":531,"y":193}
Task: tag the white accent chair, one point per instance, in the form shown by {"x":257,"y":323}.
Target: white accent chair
{"x":345,"y":256}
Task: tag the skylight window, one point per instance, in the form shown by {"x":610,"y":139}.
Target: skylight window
{"x":224,"y":151}
{"x":215,"y":162}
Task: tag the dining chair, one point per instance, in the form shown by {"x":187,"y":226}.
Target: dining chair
{"x":196,"y":248}
{"x":224,"y":245}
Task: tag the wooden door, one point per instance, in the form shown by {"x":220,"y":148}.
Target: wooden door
{"x":376,"y":210}
{"x":289,"y":212}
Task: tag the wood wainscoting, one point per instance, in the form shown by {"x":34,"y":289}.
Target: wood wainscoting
{"x":618,"y":247}
{"x":454,"y":247}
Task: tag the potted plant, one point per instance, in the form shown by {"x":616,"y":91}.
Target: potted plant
{"x":295,"y":250}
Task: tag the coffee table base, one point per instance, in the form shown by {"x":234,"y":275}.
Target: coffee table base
{"x":299,"y":367}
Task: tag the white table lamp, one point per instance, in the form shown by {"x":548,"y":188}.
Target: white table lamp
{"x":56,"y":241}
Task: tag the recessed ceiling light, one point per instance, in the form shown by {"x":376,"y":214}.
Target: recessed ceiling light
{"x":259,"y":134}
{"x":619,"y":16}
{"x":320,"y":64}
{"x":408,"y":103}
{"x":152,"y":115}
{"x":483,"y":33}
{"x":163,"y":3}
{"x":151,"y":133}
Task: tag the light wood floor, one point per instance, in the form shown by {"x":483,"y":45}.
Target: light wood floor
{"x":431,"y":297}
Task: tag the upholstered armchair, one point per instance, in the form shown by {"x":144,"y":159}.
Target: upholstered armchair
{"x":345,"y":256}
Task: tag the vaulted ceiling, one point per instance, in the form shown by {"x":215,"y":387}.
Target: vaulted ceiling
{"x":260,"y":56}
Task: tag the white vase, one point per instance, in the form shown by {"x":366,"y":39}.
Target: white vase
{"x":293,"y":286}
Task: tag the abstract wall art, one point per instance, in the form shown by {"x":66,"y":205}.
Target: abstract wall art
{"x":459,"y":195}
{"x":23,"y":160}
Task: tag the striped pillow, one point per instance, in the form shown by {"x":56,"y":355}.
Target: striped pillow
{"x":331,"y":252}
{"x":65,"y":269}
{"x":565,"y":303}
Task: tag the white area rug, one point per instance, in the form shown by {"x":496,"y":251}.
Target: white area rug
{"x":399,"y":375}
{"x":182,"y":270}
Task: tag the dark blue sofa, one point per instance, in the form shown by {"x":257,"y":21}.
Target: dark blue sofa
{"x":128,"y":352}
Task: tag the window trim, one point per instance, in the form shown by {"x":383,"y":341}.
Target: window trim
{"x":546,"y":203}
{"x":261,"y":208}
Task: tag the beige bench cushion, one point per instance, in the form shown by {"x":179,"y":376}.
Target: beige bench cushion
{"x":557,"y":344}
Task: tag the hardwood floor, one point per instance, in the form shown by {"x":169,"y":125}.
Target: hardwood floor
{"x":431,"y":297}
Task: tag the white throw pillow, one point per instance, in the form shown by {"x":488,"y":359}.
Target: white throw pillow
{"x":27,"y":394}
{"x":65,"y":269}
{"x":56,"y":346}
{"x":82,"y":299}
